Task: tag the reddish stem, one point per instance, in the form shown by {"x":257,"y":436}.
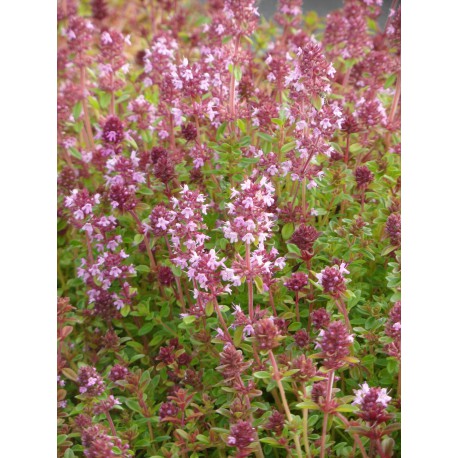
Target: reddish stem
{"x":272,"y":303}
{"x":326,"y":414}
{"x":343,"y":310}
{"x":249,"y":281}
{"x":221,"y":319}
{"x":277,"y":378}
{"x":298,"y":318}
{"x":110,"y":421}
{"x":89,"y":249}
{"x":347,"y":148}
{"x":87,"y":122}
{"x":356,"y":436}
{"x":177,"y":280}
{"x":153,"y":265}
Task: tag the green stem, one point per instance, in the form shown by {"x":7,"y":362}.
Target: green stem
{"x":305,"y":425}
{"x":284,"y":401}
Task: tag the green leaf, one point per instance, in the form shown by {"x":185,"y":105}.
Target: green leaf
{"x":105,"y":99}
{"x":351,"y":359}
{"x":368,"y":254}
{"x":269,"y":440}
{"x":355,"y":148}
{"x":290,"y":372}
{"x":393,"y":427}
{"x":182,"y":433}
{"x":133,"y":405}
{"x":161,"y":439}
{"x":266,"y":137}
{"x":238,"y":73}
{"x":294,"y":326}
{"x":388,"y":250}
{"x":202,"y":438}
{"x":392,"y":366}
{"x":189,"y":319}
{"x":320,"y":211}
{"x":138,"y":239}
{"x":155,"y":340}
{"x":288,"y":147}
{"x":176,"y":271}
{"x":336,"y":146}
{"x":142,"y":268}
{"x":209,"y":309}
{"x":132,"y":143}
{"x":246,"y":139}
{"x":242,"y":126}
{"x":259,"y":284}
{"x":61,"y":438}
{"x":308,"y":404}
{"x":70,"y":374}
{"x":316,"y":102}
{"x":136,"y":357}
{"x":347,"y":408}
{"x":145,"y":379}
{"x":293,"y":248}
{"x":75,"y":153}
{"x":146,"y":191}
{"x":358,"y":429}
{"x":287,"y":231}
{"x":69,"y":453}
{"x":77,"y":110}
{"x":238,"y":334}
{"x":220,"y":130}
{"x":390,"y":81}
{"x":263,"y":375}
{"x":145,"y":329}
{"x":278,"y":121}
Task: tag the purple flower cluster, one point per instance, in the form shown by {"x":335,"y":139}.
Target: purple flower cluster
{"x":90,"y":382}
{"x":373,"y":403}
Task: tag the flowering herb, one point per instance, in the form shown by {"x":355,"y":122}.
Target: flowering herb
{"x":229,"y":230}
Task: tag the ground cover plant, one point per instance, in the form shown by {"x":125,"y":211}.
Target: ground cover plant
{"x":228,"y":230}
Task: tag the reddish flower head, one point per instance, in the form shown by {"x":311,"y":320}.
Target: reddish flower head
{"x":306,"y":368}
{"x":301,"y":338}
{"x":320,"y":318}
{"x":232,"y":363}
{"x":242,"y":436}
{"x":266,"y":334}
{"x":332,"y":280}
{"x":113,"y":131}
{"x":304,"y":237}
{"x":335,"y":344}
{"x":90,"y":382}
{"x":393,"y":228}
{"x":99,"y":9}
{"x":373,"y":403}
{"x":165,"y":275}
{"x":363,"y":177}
{"x":118,"y":372}
{"x":297,"y":282}
{"x":276,"y":422}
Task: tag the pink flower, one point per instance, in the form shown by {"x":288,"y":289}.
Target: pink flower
{"x":359,"y":394}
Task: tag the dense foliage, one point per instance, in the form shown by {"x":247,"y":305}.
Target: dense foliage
{"x":228,"y":230}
